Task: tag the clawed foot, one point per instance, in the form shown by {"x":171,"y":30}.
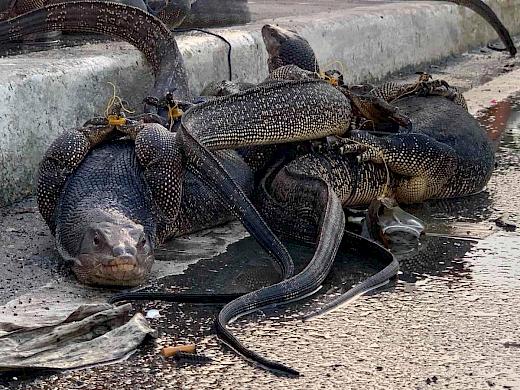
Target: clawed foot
{"x":116,"y":124}
{"x":167,"y":107}
{"x":330,"y":144}
{"x":366,"y":146}
{"x":429,"y":87}
{"x":375,"y":110}
{"x":365,"y":152}
{"x":131,"y":120}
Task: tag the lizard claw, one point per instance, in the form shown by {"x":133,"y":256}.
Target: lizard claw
{"x":372,"y":154}
{"x":352,"y":148}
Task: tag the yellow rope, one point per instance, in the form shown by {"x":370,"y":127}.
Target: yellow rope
{"x":174,"y":113}
{"x":115,"y":120}
{"x":331,"y":80}
{"x":340,"y":63}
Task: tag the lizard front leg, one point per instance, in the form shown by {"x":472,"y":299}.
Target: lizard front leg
{"x":442,"y":88}
{"x":160,"y":156}
{"x":59,"y":162}
{"x":376,"y":110}
{"x":165,"y":156}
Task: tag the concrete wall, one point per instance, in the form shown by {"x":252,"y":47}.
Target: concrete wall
{"x":44,"y":93}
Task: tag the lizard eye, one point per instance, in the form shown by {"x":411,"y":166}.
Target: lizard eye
{"x":142,"y":241}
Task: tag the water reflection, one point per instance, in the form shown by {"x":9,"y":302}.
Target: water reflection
{"x":496,"y":119}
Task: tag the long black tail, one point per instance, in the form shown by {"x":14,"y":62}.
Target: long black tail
{"x":144,"y":31}
{"x":491,"y":17}
{"x":331,"y":221}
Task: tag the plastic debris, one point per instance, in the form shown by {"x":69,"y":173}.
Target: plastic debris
{"x":153,"y":313}
{"x":67,"y":335}
{"x":388,"y":223}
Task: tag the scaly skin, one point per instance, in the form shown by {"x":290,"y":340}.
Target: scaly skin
{"x":263,"y":105}
{"x":113,"y":236}
{"x":158,"y":152}
{"x":159,"y":46}
{"x":162,"y":157}
{"x":106,"y":202}
{"x":286,"y":47}
{"x":172,"y":13}
{"x":306,"y":187}
{"x":118,"y":239}
{"x":446,"y":154}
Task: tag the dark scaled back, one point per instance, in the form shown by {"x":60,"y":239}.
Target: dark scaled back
{"x":459,"y":130}
{"x":298,"y":52}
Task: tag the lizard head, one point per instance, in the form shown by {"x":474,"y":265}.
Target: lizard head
{"x":286,"y":47}
{"x":114,"y":253}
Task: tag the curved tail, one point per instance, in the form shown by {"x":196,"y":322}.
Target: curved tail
{"x":142,"y":30}
{"x":331,"y":222}
{"x":371,"y":283}
{"x":491,"y":17}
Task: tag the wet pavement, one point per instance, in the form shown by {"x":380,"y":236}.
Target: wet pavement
{"x":451,"y":320}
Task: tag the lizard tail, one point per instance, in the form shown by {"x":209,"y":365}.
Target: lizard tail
{"x":491,"y":17}
{"x":144,"y":31}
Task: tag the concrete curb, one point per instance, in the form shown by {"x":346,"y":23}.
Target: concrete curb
{"x":44,"y":93}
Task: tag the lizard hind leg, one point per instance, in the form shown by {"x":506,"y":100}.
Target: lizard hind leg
{"x":413,"y":190}
{"x":422,"y":166}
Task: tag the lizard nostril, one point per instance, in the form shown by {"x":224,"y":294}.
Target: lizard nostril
{"x":131,"y":250}
{"x":123,"y":250}
{"x":118,"y":251}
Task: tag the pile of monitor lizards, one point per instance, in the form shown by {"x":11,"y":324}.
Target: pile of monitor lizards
{"x":289,"y":154}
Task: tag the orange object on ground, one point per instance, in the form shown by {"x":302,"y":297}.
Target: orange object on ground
{"x":171,"y":351}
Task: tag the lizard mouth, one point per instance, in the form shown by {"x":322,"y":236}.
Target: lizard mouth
{"x":120,"y":265}
{"x":117,"y":271}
